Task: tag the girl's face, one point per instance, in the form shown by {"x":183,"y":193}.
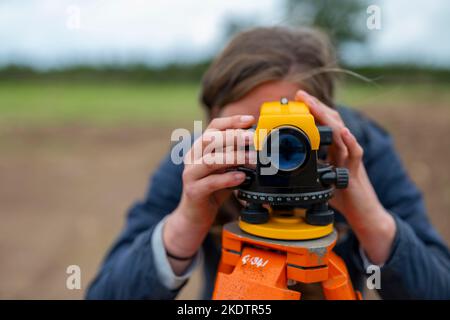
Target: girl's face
{"x":250,"y":104}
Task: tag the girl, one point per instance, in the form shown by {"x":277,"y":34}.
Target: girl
{"x":381,"y":215}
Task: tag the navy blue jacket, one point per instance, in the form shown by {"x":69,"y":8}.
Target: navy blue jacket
{"x":418,"y":266}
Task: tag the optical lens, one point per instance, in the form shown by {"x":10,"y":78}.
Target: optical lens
{"x":291,"y":150}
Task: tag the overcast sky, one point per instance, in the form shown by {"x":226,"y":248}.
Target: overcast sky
{"x":46,"y":33}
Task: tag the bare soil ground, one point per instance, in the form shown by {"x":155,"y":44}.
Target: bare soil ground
{"x":64,"y":192}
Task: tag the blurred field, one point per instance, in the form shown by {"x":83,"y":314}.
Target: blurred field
{"x":74,"y":157}
{"x":95,"y":104}
{"x":29,"y":103}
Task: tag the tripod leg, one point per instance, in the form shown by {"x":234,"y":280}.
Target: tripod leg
{"x":338,"y":286}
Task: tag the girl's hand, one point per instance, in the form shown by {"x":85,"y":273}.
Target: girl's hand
{"x":206,"y":185}
{"x":372,"y":224}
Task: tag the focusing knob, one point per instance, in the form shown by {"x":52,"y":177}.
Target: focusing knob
{"x":341,"y":178}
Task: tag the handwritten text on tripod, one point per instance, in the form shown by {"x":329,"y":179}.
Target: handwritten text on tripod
{"x":254,"y":261}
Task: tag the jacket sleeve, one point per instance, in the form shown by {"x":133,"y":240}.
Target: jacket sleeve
{"x":129,"y":271}
{"x":419,"y":263}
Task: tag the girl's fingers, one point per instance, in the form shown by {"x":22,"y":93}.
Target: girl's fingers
{"x":215,"y":182}
{"x":338,"y":154}
{"x":214,"y":140}
{"x":211,"y":163}
{"x":230,"y":137}
{"x":319,"y":113}
{"x":328,"y":117}
{"x":355,"y":151}
{"x":234,"y":122}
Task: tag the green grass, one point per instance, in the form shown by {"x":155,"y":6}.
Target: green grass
{"x":31,"y":103}
{"x":28,"y":103}
{"x":392,"y":95}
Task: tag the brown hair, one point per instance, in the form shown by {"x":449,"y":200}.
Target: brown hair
{"x":260,"y":55}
